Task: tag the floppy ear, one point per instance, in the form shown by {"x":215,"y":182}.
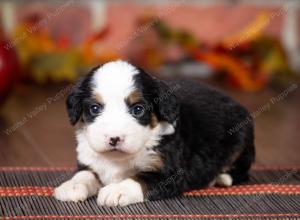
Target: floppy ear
{"x":162,"y":96}
{"x":75,"y":99}
{"x":74,"y":103}
{"x":167,"y":102}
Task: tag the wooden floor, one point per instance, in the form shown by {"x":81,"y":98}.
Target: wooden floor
{"x":36,"y":132}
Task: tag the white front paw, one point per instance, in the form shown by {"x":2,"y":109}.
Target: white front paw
{"x":71,"y":191}
{"x":123,"y":193}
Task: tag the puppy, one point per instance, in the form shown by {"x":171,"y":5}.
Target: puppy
{"x":140,"y":138}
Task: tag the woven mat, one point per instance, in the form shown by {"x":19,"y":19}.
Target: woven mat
{"x":26,"y":193}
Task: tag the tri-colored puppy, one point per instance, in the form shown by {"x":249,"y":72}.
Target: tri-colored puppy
{"x":140,"y":138}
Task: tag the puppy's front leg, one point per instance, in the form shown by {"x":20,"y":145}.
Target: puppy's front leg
{"x":126,"y":192}
{"x":82,"y":185}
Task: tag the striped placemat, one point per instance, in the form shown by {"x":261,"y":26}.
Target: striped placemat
{"x":26,"y":193}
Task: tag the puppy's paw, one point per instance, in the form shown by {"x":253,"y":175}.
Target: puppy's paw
{"x":71,"y":191}
{"x":124,"y":193}
{"x":224,"y":179}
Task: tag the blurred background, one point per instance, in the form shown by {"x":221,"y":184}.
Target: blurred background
{"x":248,"y":48}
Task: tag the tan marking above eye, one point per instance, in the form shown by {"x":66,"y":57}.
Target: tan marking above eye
{"x":134,"y":97}
{"x":98,"y":98}
{"x":154,"y":120}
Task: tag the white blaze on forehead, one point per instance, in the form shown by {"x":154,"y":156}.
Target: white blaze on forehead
{"x":114,"y":80}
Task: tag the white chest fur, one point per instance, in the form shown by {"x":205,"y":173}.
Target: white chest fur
{"x":113,"y":171}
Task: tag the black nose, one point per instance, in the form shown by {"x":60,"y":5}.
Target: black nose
{"x":113,"y":141}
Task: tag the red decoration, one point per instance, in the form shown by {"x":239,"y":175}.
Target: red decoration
{"x":8,"y":68}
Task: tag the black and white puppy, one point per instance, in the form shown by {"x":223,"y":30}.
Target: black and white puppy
{"x":140,"y":138}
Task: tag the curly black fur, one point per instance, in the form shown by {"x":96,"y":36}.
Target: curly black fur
{"x":202,"y":145}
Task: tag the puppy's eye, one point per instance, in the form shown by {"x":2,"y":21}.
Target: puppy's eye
{"x":95,"y":109}
{"x":137,"y":111}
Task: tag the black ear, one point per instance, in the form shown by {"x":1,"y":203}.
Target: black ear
{"x":74,"y":103}
{"x":81,"y":90}
{"x":167,"y":102}
{"x":161,"y":96}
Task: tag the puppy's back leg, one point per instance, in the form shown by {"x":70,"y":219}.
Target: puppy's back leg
{"x":224,"y":179}
{"x":240,"y":168}
{"x":239,"y":171}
